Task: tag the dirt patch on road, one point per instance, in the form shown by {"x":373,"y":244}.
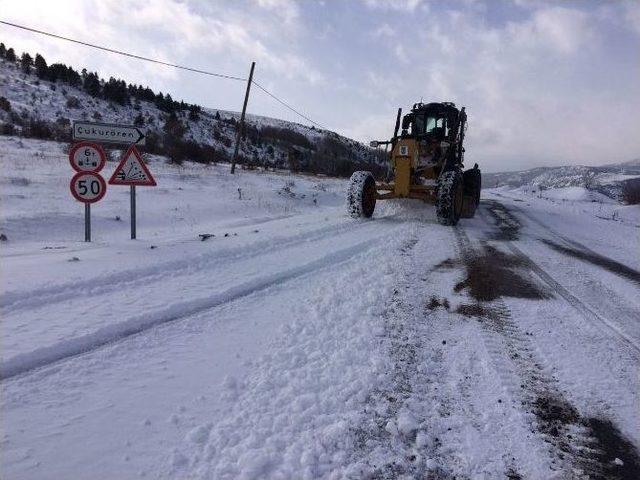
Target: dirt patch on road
{"x":436,"y":302}
{"x":512,"y":474}
{"x":477,"y":310}
{"x":595,"y":259}
{"x":492,"y":274}
{"x":508,"y":225}
{"x":554,"y":414}
{"x":608,"y":454}
{"x":612,"y":445}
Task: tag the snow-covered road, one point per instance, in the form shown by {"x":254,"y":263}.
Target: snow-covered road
{"x":299,"y":343}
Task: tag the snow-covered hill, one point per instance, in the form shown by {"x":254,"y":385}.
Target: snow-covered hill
{"x":613,"y":181}
{"x":33,"y":106}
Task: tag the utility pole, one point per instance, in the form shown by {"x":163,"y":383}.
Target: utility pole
{"x":241,"y":125}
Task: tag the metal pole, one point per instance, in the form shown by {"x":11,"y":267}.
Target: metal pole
{"x":133,"y":212}
{"x":241,"y":125}
{"x":87,"y":222}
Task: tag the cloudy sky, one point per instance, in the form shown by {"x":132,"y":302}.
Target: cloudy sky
{"x":544,"y":83}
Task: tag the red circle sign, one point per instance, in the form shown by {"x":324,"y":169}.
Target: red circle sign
{"x":87,"y":157}
{"x":88,"y":187}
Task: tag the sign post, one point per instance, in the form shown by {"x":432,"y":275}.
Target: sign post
{"x":133,"y":212}
{"x":87,"y":186}
{"x":132,"y":171}
{"x":87,"y":222}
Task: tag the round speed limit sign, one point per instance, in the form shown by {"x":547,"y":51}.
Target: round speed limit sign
{"x":88,"y":187}
{"x":87,"y":157}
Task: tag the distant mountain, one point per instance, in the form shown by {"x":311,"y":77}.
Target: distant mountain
{"x":611,"y":180}
{"x":40,"y":100}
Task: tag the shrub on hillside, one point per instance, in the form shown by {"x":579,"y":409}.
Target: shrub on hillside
{"x":631,"y":192}
{"x":181,"y":150}
{"x":286,"y":135}
{"x":38,"y":128}
{"x":5,"y":104}
{"x":73,"y":102}
{"x":7,"y":129}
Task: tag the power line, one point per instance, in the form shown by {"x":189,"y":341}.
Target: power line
{"x":167,"y":64}
{"x":282,"y":102}
{"x":119,"y":52}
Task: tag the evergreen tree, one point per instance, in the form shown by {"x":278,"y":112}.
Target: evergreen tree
{"x":148,"y":95}
{"x":26,"y":62}
{"x":42,"y":70}
{"x":194,"y":112}
{"x":173,"y":128}
{"x":169,"y":105}
{"x":116,"y":91}
{"x":10,"y":55}
{"x":58,"y":71}
{"x":91,"y":84}
{"x":3,"y":50}
{"x":73,"y":77}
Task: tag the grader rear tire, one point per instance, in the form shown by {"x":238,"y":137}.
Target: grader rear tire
{"x":361,"y":195}
{"x":472,"y":180}
{"x":449,"y":197}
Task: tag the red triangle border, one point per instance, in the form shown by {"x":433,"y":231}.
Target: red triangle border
{"x":132,"y":151}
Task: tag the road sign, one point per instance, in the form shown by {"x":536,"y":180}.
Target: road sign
{"x":132,"y":171}
{"x":108,"y":133}
{"x":88,"y":187}
{"x":87,"y":157}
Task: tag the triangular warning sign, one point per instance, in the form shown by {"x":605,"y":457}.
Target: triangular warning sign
{"x":132,"y":171}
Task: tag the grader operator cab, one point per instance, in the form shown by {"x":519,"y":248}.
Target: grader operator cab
{"x":427,"y":163}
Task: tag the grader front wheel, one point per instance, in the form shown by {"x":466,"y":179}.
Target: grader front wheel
{"x":450,"y":197}
{"x":361,"y":195}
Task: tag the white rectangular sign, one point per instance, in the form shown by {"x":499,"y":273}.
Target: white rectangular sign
{"x":108,"y":133}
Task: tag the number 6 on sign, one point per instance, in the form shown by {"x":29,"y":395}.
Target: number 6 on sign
{"x":88,"y":187}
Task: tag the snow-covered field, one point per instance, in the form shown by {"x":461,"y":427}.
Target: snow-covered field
{"x":299,"y":343}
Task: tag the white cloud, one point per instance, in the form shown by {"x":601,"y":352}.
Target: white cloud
{"x":401,"y":53}
{"x":527,"y":103}
{"x":286,"y":9}
{"x":559,"y":28}
{"x":632,"y":14}
{"x":405,"y":5}
{"x":169,"y":30}
{"x":384,"y":30}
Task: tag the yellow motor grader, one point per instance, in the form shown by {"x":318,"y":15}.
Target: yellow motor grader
{"x":427,"y":163}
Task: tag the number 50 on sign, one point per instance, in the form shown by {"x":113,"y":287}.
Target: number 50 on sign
{"x":88,"y":187}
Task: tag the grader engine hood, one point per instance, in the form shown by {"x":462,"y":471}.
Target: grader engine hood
{"x":403,"y":160}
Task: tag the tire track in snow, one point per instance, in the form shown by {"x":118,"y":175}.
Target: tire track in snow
{"x":64,"y":251}
{"x":580,"y":446}
{"x":46,"y":356}
{"x":110,"y":283}
{"x":595,"y":257}
{"x":390,"y":428}
{"x":404,"y":421}
{"x":589,"y":314}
